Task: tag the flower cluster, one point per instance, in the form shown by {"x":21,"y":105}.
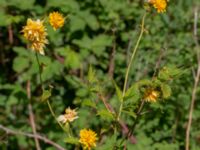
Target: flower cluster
{"x":69,"y":116}
{"x":159,"y":5}
{"x":35,"y":32}
{"x":88,"y":138}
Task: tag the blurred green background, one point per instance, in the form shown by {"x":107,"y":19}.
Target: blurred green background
{"x":100,"y":33}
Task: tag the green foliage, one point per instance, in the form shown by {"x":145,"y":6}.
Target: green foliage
{"x":118,"y":91}
{"x":105,"y":114}
{"x":71,"y":140}
{"x":45,"y":95}
{"x":77,"y":61}
{"x":166,"y":91}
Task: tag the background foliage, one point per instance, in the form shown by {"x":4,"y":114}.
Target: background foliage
{"x":93,"y":32}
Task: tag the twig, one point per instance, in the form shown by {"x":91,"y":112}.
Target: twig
{"x":10,"y":34}
{"x":31,"y":115}
{"x":196,"y":82}
{"x":108,"y":107}
{"x":42,"y":138}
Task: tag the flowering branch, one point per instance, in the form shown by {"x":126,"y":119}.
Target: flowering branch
{"x":129,"y":65}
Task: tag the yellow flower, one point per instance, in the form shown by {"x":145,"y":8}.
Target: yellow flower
{"x":159,"y":5}
{"x":35,"y":33}
{"x":69,"y":116}
{"x":56,"y":20}
{"x":88,"y":138}
{"x":151,"y":95}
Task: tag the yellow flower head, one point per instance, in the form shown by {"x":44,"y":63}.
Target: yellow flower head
{"x":69,"y":116}
{"x":88,"y":138}
{"x":35,"y":33}
{"x":159,"y":5}
{"x":56,"y":20}
{"x":151,"y":95}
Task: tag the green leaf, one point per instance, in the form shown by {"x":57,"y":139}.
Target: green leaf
{"x":118,"y":91}
{"x":96,"y":88}
{"x":169,"y":72}
{"x":21,"y":51}
{"x":105,"y":114}
{"x":12,"y":100}
{"x":76,"y":23}
{"x":88,"y":102}
{"x":92,"y":75}
{"x":71,"y":140}
{"x":82,"y":92}
{"x":133,"y":92}
{"x":99,"y":43}
{"x":166,"y":91}
{"x":130,"y":113}
{"x":144,"y":82}
{"x":25,"y":5}
{"x":73,"y":60}
{"x":20,"y":63}
{"x":45,"y":95}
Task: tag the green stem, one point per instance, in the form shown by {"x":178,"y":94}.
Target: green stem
{"x":53,"y":114}
{"x":132,"y":128}
{"x":40,"y":70}
{"x":41,"y":82}
{"x":138,"y":114}
{"x":129,"y":65}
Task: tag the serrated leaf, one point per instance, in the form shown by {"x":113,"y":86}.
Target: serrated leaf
{"x":73,"y":60}
{"x":132,"y":92}
{"x":166,"y":91}
{"x":169,"y":72}
{"x":45,"y":95}
{"x":144,"y":82}
{"x":88,"y":102}
{"x":130,"y":113}
{"x":82,"y":92}
{"x":105,"y":114}
{"x":71,"y":140}
{"x":96,"y":88}
{"x":118,"y":91}
{"x":92,"y":75}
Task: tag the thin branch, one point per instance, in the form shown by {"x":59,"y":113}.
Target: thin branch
{"x":31,"y":115}
{"x":10,"y":34}
{"x":108,"y":107}
{"x":42,"y":138}
{"x":192,"y":108}
{"x":196,"y":82}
